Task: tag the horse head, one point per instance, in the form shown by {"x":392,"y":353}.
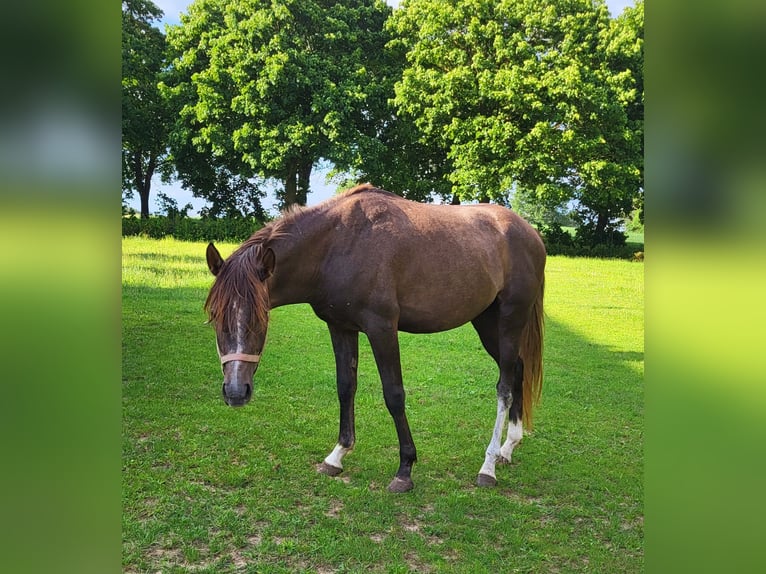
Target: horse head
{"x":238,"y":308}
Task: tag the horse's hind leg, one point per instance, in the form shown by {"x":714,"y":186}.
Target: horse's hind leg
{"x":515,"y":428}
{"x":501,"y":340}
{"x":346,"y":347}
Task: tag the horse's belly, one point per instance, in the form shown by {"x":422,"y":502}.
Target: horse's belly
{"x":433,"y":300}
{"x":441,"y":314}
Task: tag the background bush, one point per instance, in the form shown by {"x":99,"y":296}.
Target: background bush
{"x":558,"y":241}
{"x":189,"y":229}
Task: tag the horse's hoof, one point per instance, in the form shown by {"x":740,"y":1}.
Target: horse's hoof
{"x":485,"y":480}
{"x":400,"y":485}
{"x":329,"y":469}
{"x":502,"y":460}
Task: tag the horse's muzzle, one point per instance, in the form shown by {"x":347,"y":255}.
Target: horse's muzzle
{"x":237,"y":395}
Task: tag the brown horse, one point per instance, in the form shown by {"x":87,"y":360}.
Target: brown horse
{"x":370,"y":261}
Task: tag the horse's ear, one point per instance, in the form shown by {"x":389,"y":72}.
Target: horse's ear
{"x":269,"y":262}
{"x":214,"y":259}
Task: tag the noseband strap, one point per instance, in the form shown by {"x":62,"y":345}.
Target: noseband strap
{"x":240,"y":357}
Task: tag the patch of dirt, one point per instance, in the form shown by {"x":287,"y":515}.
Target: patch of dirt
{"x":411,"y":526}
{"x":336,"y":506}
{"x":416,"y":564}
{"x":637,"y":523}
{"x":237,"y":559}
{"x":433,"y":540}
{"x":172,"y":555}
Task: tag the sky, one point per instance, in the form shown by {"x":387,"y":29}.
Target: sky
{"x":320,"y":189}
{"x":173,"y":8}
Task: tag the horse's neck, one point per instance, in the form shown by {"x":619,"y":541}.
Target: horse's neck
{"x":299,"y":252}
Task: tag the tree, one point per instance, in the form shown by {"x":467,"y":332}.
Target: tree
{"x":266,"y":88}
{"x":522,"y":96}
{"x":611,"y":176}
{"x":145,"y":115}
{"x":414,"y":168}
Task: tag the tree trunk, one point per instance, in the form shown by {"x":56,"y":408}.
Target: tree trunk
{"x":297,"y":182}
{"x":291,"y":185}
{"x":144,"y":195}
{"x":142,"y":179}
{"x":455,"y":199}
{"x":601,"y":221}
{"x":304,"y":175}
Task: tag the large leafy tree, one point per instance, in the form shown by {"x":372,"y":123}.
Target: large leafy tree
{"x":527,"y":97}
{"x":266,"y":88}
{"x":609,"y":176}
{"x":145,"y":114}
{"x":624,"y":49}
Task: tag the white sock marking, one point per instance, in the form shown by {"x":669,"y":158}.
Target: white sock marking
{"x":493,"y":450}
{"x":336,"y":456}
{"x":515,"y":433}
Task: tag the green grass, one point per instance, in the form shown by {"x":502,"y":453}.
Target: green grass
{"x":207,"y":488}
{"x":635,"y":237}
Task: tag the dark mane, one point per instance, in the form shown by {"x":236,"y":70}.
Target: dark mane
{"x":241,"y":278}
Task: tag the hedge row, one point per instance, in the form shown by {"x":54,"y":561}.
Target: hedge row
{"x":188,"y":229}
{"x":632,"y":251}
{"x":237,"y":230}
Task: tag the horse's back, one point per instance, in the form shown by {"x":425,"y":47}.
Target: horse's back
{"x":399,"y":225}
{"x":443,"y":264}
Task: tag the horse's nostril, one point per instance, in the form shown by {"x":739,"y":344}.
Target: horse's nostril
{"x":236,"y":394}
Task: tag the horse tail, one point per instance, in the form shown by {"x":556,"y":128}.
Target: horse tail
{"x":531,"y":353}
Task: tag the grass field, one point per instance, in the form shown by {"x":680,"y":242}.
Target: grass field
{"x":207,"y":488}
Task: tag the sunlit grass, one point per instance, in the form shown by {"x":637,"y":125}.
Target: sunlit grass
{"x":207,"y":488}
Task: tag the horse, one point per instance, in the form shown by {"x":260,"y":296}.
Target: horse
{"x":370,"y":261}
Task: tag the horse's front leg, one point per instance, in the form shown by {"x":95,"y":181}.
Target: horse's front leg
{"x":385,"y":348}
{"x":346,"y":347}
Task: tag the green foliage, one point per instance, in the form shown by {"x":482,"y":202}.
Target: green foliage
{"x":555,"y":235}
{"x":189,"y":229}
{"x":544,"y":97}
{"x":635,"y":222}
{"x":572,"y":247}
{"x":266,"y":88}
{"x":539,"y":105}
{"x":169,"y":207}
{"x":613,"y":182}
{"x":146,"y":116}
{"x":207,"y":488}
{"x":590,"y":235}
{"x":539,"y":211}
{"x":574,"y":242}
